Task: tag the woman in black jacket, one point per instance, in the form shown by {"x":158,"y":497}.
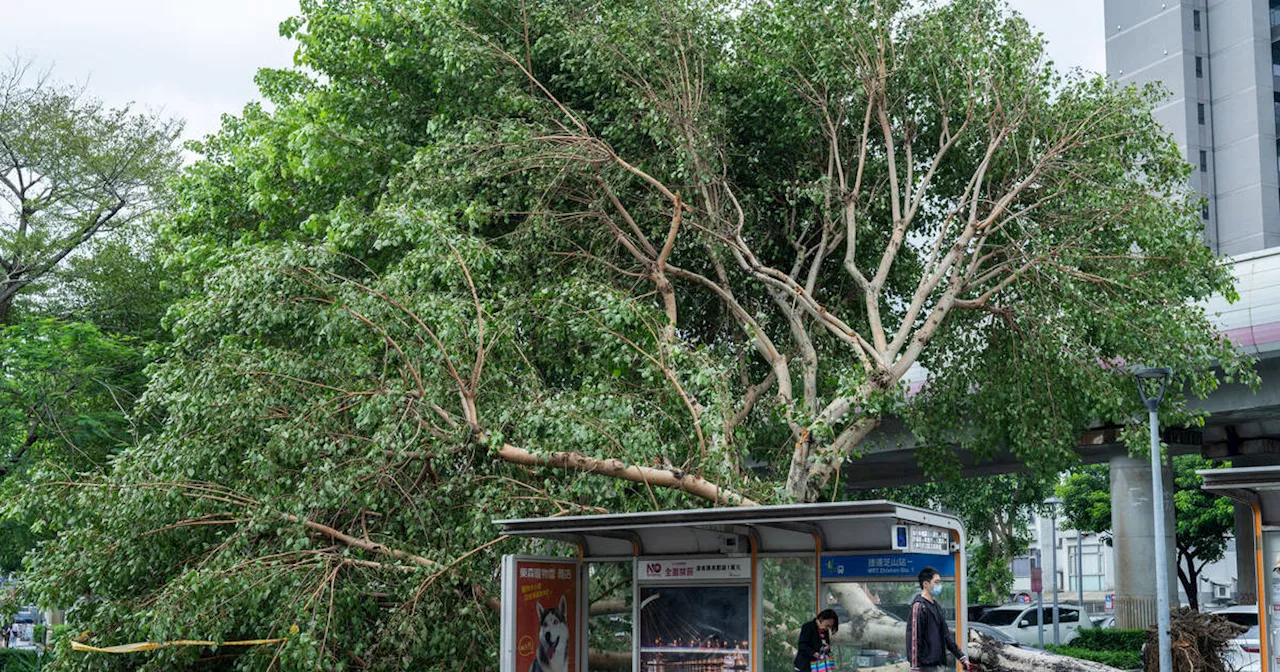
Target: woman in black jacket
{"x":815,"y":639}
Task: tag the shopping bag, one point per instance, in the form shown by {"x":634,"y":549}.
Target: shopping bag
{"x":823,"y":663}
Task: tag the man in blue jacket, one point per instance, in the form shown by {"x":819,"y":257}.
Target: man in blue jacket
{"x":928,"y":639}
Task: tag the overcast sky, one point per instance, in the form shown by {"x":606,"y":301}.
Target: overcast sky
{"x":195,"y":59}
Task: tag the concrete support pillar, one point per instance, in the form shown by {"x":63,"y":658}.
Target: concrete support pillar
{"x":1133,"y":529}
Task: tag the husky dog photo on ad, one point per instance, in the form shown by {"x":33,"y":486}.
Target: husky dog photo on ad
{"x":553,"y":640}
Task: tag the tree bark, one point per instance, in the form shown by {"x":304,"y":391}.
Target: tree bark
{"x":994,"y":655}
{"x":1188,"y":576}
{"x":665,"y":478}
{"x":610,"y":660}
{"x":868,"y":626}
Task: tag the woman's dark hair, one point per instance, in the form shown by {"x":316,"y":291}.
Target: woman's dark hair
{"x":926,"y":575}
{"x":830,"y":615}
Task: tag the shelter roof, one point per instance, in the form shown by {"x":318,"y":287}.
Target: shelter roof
{"x":848,"y":527}
{"x":1254,"y":485}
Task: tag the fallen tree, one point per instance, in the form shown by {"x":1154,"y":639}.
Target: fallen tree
{"x":503,"y":259}
{"x":871,"y":628}
{"x":1000,"y":657}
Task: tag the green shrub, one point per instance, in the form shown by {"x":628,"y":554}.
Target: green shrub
{"x":1125,"y":660}
{"x":1095,"y":639}
{"x":19,"y":660}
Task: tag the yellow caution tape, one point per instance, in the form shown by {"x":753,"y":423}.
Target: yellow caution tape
{"x":152,"y":646}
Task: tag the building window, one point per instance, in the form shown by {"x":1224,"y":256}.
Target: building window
{"x":1022,"y":567}
{"x":1195,"y":19}
{"x":1204,"y":211}
{"x":1093,"y":574}
{"x":1204,"y":161}
{"x":1199,"y":66}
{"x":1200,"y":112}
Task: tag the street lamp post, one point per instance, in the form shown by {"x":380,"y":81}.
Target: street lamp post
{"x":1080,"y":570}
{"x":1151,"y":386}
{"x":1053,"y":503}
{"x":1040,"y":597}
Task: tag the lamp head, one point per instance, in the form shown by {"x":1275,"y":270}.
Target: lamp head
{"x":1151,"y":384}
{"x":1053,"y":501}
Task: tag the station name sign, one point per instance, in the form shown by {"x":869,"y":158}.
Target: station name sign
{"x":709,"y":569}
{"x":920,"y":539}
{"x":885,"y":565}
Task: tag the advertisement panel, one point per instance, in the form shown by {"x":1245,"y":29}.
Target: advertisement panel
{"x":539,"y":615}
{"x":688,"y":627}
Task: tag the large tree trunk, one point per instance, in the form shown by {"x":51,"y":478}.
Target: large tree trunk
{"x":1189,"y":577}
{"x":868,"y":626}
{"x":880,"y":631}
{"x":871,"y":628}
{"x":619,"y":661}
{"x":994,"y":655}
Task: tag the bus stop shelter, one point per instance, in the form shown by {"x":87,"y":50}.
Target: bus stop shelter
{"x":1259,"y":488}
{"x":698,"y":576}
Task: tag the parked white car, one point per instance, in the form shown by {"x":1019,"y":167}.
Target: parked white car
{"x":1019,"y":621}
{"x":1244,"y":652}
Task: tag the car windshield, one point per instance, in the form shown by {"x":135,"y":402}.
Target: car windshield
{"x":1001,"y":617}
{"x":1241,"y":618}
{"x":995,"y":633}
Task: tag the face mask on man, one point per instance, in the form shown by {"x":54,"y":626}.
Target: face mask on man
{"x":937,"y":590}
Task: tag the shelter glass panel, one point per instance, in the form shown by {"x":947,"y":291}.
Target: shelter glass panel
{"x":1271,"y":585}
{"x":609,"y":623}
{"x":790,"y":600}
{"x":891,"y":597}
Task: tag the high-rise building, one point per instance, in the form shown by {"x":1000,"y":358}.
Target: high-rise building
{"x":1220,"y":61}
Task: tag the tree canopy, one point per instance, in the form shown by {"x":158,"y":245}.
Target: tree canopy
{"x":496,"y":259}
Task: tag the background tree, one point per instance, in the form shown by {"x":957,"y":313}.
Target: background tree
{"x":118,"y":282}
{"x":70,"y":169}
{"x":501,"y":259}
{"x":1205,"y":522}
{"x":1086,"y":499}
{"x":996,"y":513}
{"x":67,"y":388}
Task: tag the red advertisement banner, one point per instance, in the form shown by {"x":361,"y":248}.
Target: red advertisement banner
{"x":546,"y":616}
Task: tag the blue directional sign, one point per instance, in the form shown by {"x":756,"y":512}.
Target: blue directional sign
{"x":885,"y":565}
